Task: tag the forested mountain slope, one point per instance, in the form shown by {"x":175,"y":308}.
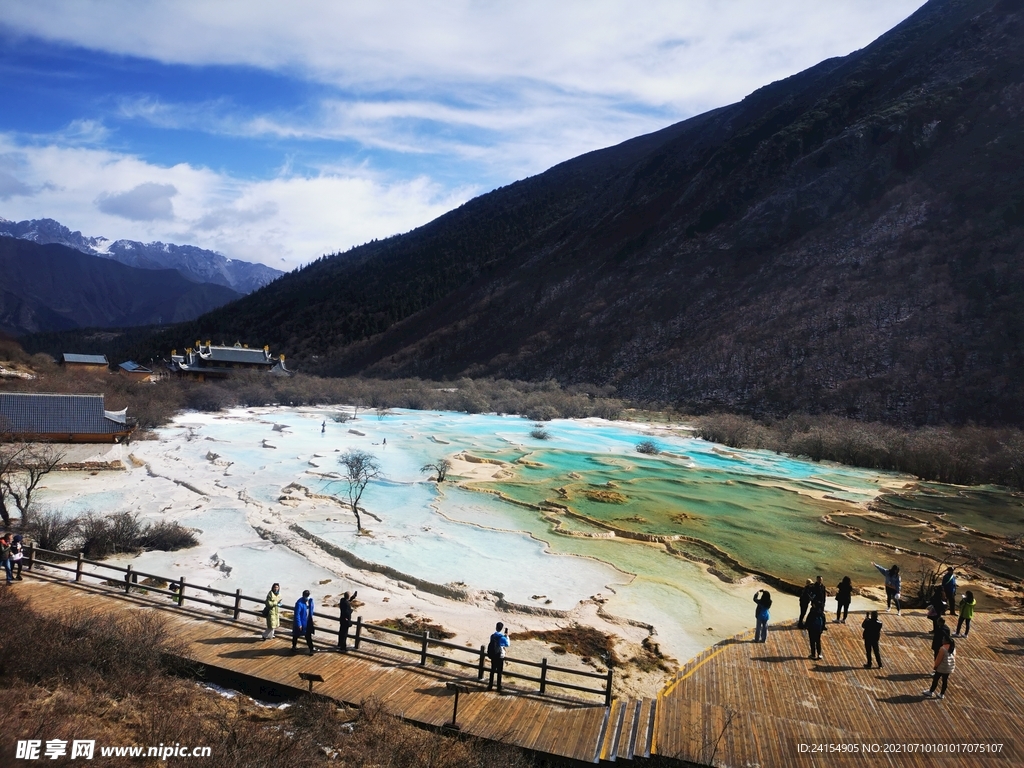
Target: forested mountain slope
{"x":847,"y":240}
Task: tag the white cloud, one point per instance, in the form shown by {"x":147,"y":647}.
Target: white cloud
{"x":700,"y":53}
{"x":145,"y":202}
{"x":11,"y":186}
{"x":507,"y":89}
{"x":282,"y":222}
{"x":493,"y":64}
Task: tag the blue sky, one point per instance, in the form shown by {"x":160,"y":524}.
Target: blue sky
{"x":277,"y":132}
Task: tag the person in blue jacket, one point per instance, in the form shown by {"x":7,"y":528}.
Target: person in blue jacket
{"x":496,"y":647}
{"x":302,"y":622}
{"x":763,"y":598}
{"x":893,"y":586}
{"x":949,"y":589}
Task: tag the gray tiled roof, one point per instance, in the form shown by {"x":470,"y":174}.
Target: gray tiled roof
{"x":43,"y":414}
{"x":131,"y":366}
{"x":237,"y":355}
{"x":90,"y":359}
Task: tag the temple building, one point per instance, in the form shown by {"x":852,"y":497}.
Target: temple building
{"x":58,"y":418}
{"x":206,"y":361}
{"x":132,"y":370}
{"x":92,"y":363}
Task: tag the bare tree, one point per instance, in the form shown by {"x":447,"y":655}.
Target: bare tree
{"x":360,"y":468}
{"x":930,"y":578}
{"x":10,"y":454}
{"x":22,"y":467}
{"x":382,"y":412}
{"x":441,"y":466}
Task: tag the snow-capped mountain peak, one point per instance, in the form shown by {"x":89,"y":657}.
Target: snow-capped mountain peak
{"x":196,"y":264}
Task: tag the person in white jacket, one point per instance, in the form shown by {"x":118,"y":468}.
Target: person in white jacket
{"x":945,"y":663}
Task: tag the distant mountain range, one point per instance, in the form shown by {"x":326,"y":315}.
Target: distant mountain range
{"x":55,"y":288}
{"x":848,"y":240}
{"x":194,"y":263}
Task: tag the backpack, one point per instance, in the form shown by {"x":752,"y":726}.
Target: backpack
{"x":493,"y":648}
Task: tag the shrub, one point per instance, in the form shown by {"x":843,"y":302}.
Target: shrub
{"x":123,"y":532}
{"x":539,"y":433}
{"x":103,"y":536}
{"x":207,"y":397}
{"x":167,"y":536}
{"x":51,"y":529}
{"x":648,"y":447}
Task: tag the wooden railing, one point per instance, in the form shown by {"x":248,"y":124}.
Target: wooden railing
{"x":238,"y":604}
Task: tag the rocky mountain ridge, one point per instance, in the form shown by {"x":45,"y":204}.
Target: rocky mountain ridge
{"x":196,"y":264}
{"x":55,"y":288}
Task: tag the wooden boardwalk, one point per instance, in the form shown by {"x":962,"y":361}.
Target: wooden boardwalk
{"x":746,"y":704}
{"x":566,"y":727}
{"x":736,"y":704}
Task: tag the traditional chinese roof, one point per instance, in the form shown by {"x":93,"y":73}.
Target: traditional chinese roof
{"x":130,"y":366}
{"x":236,"y":355}
{"x":87,"y":359}
{"x":46,"y":414}
{"x":223,"y":360}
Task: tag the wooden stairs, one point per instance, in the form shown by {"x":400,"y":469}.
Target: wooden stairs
{"x":629,"y":730}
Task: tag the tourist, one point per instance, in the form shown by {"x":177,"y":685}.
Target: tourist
{"x":345,"y":620}
{"x":5,"y":556}
{"x":323,"y":427}
{"x":272,"y":611}
{"x":892,"y":586}
{"x":872,"y":634}
{"x":815,"y":625}
{"x":844,"y":594}
{"x":17,"y":553}
{"x":945,"y":663}
{"x":937,"y":605}
{"x":966,"y":614}
{"x":302,"y":622}
{"x":818,"y":593}
{"x":805,"y":601}
{"x":763,"y":598}
{"x":496,"y":649}
{"x":949,"y":589}
{"x":940,"y":634}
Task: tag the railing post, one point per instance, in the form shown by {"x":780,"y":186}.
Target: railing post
{"x":128,"y":580}
{"x":78,"y":568}
{"x":543,"y":675}
{"x":31,"y":556}
{"x":359,"y":630}
{"x":423,"y":650}
{"x":480,"y":669}
{"x":181,"y":591}
{"x":608,"y":690}
{"x":238,"y":604}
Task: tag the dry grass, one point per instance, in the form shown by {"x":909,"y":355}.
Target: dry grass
{"x":651,"y":659}
{"x":417,"y":625}
{"x":586,"y":642}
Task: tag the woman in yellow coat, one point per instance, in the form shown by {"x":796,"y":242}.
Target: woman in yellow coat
{"x":272,"y":611}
